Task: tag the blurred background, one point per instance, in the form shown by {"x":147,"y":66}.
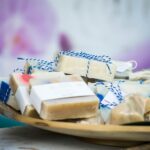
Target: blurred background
{"x":37,"y":28}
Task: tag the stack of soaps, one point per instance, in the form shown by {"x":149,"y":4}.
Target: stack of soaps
{"x":54,"y":96}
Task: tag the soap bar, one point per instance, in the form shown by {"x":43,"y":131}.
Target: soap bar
{"x":18,"y":79}
{"x":64,"y":100}
{"x":73,"y":65}
{"x":20,"y":84}
{"x":87,"y":68}
{"x":131,"y":110}
{"x":99,"y":70}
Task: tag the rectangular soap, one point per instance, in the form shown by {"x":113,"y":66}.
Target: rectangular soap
{"x":131,"y":110}
{"x":99,"y":70}
{"x":64,"y":100}
{"x":19,"y":79}
{"x":86,"y":68}
{"x":72,"y":65}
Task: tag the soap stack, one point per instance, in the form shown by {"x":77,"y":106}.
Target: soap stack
{"x":76,"y":85}
{"x":53,"y":95}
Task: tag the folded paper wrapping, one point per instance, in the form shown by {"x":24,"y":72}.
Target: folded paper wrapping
{"x":131,"y":110}
{"x":20,"y":86}
{"x":73,"y":100}
{"x":23,"y":100}
{"x":87,"y":68}
{"x":124,"y":68}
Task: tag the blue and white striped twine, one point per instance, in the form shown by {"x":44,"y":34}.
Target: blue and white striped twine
{"x":51,"y":65}
{"x":114,"y":88}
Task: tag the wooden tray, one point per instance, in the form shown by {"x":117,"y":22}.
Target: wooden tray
{"x":116,"y":135}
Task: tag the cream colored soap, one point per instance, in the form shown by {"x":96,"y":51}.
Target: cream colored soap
{"x":99,"y":70}
{"x":86,"y":68}
{"x":131,"y":110}
{"x":72,"y":65}
{"x":69,"y":99}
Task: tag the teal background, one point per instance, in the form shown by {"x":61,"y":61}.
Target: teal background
{"x":6,"y":122}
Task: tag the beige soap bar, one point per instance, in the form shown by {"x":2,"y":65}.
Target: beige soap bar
{"x":99,"y":70}
{"x":69,"y":99}
{"x":86,"y":68}
{"x":72,"y":65}
{"x":70,"y":108}
{"x":131,"y":110}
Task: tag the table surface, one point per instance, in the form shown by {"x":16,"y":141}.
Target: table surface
{"x":30,"y":138}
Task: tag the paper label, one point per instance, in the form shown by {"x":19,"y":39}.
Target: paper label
{"x":53,"y":91}
{"x":110,"y":100}
{"x":22,"y":98}
{"x":124,"y":67}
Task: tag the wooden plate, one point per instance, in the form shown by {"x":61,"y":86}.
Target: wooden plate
{"x":103,"y":134}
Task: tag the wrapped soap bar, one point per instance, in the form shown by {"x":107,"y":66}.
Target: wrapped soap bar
{"x":101,"y":71}
{"x":20,"y":85}
{"x":19,"y":79}
{"x":67,"y":99}
{"x":23,"y":100}
{"x":131,"y":110}
{"x":86,"y":65}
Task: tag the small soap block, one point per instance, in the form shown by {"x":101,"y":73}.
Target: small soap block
{"x":73,"y":65}
{"x":99,"y":70}
{"x":64,"y":100}
{"x":18,"y":79}
{"x":131,"y":110}
{"x":86,"y":68}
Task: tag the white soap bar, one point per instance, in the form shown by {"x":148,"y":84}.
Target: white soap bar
{"x":65,"y":100}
